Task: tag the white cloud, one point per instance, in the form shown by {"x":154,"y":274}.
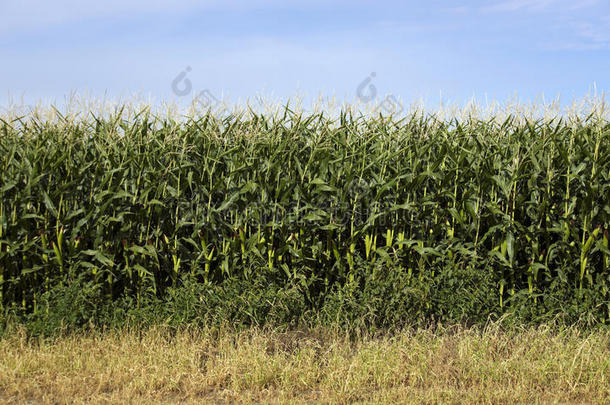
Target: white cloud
{"x":538,"y":5}
{"x":597,"y":33}
{"x":515,"y":5}
{"x":573,"y":25}
{"x":18,"y":15}
{"x":25,"y":14}
{"x":589,"y":35}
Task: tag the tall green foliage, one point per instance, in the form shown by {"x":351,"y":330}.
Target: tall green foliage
{"x":480,"y":216}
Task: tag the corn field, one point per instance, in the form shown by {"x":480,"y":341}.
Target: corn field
{"x":137,"y":206}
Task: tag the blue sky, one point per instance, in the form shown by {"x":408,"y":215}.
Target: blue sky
{"x":494,"y":49}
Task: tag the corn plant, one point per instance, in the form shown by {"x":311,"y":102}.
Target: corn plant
{"x":137,"y":205}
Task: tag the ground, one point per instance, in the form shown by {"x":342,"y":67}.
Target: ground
{"x":452,"y":365}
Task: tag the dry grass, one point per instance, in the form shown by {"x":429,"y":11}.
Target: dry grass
{"x":455,"y":366}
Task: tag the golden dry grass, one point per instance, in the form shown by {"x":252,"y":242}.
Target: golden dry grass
{"x":451,"y":366}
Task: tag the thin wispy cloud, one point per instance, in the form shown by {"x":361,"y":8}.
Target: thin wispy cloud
{"x":588,"y":36}
{"x":538,"y":5}
{"x":515,"y":5}
{"x":239,"y":47}
{"x":21,"y":15}
{"x":598,"y":32}
{"x":558,"y":24}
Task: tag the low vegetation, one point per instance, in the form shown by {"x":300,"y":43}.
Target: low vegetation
{"x":449,"y":366}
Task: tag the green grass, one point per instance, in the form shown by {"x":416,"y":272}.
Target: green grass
{"x":303,"y":219}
